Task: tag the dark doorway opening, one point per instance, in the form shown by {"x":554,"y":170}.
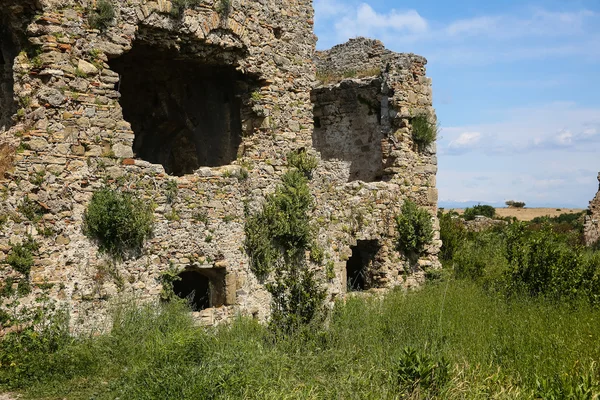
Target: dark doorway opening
{"x":185,"y":113}
{"x":360,"y":265}
{"x":8,"y":51}
{"x":202,"y":287}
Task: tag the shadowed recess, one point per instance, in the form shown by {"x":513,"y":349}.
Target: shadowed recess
{"x":185,"y":113}
{"x":359,"y":265}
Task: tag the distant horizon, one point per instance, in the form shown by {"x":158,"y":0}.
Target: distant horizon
{"x":515,"y":88}
{"x":501,"y":204}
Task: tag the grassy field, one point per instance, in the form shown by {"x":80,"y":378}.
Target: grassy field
{"x":513,"y":315}
{"x":492,"y":348}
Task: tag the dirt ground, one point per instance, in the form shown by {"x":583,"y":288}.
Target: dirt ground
{"x":527,"y":214}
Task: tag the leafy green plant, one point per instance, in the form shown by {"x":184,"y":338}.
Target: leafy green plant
{"x":452,"y":234}
{"x":179,"y":6}
{"x":31,"y":209}
{"x":419,"y":370}
{"x":302,"y":161}
{"x":167,"y":279}
{"x":119,"y":222}
{"x":171,"y":191}
{"x":424,"y":132}
{"x":480,"y":209}
{"x":414,"y":227}
{"x":277,"y":238}
{"x":103,"y":15}
{"x":21,"y":256}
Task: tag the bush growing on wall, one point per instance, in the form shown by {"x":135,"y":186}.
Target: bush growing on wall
{"x":423,"y":132}
{"x":277,"y":239}
{"x":119,"y":222}
{"x":414,"y":228}
{"x":103,"y":15}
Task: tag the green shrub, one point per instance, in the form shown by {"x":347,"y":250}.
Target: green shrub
{"x":424,"y":132}
{"x":21,"y":256}
{"x":452,"y":234}
{"x":179,"y":6}
{"x":419,"y":371}
{"x":302,"y":161}
{"x":480,"y":209}
{"x":171,"y":191}
{"x":414,"y":227}
{"x":103,"y":15}
{"x":516,"y":204}
{"x":119,"y":222}
{"x":277,"y":239}
{"x":31,"y":209}
{"x":542,"y":263}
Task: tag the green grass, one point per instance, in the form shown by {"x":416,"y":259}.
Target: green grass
{"x":496,"y":349}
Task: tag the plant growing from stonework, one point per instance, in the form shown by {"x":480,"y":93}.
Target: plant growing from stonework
{"x":415,"y":230}
{"x":424,"y":133}
{"x":118,"y":221}
{"x":302,"y":161}
{"x":31,"y":209}
{"x":21,"y":256}
{"x":103,"y":15}
{"x":277,"y":239}
{"x":179,"y":6}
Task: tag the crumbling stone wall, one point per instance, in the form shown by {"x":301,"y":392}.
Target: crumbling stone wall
{"x":591,"y":228}
{"x":79,"y":127}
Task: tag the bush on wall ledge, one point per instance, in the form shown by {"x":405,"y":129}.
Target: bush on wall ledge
{"x":119,"y":222}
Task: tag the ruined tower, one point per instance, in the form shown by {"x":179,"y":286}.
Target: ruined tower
{"x":210,"y":99}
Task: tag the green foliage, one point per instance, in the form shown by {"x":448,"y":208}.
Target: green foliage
{"x":31,"y":209}
{"x":564,"y":222}
{"x":493,"y":349}
{"x":452,"y":234}
{"x":414,"y":227}
{"x":424,"y":132}
{"x":479,"y":209}
{"x":580,"y":384}
{"x":21,"y":256}
{"x":119,"y":222}
{"x":103,"y":15}
{"x":543,"y":264}
{"x":167,"y":279}
{"x":276,"y":241}
{"x":419,"y":371}
{"x":302,"y":161}
{"x":281,"y":231}
{"x":179,"y":6}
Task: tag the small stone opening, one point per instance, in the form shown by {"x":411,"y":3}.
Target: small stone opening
{"x":359,"y":266}
{"x":185,"y":112}
{"x":202,"y":287}
{"x":347,"y":127}
{"x":8,"y":51}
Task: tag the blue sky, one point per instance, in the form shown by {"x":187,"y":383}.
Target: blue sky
{"x":516,"y":89}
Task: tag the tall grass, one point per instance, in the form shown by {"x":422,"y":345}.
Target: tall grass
{"x":496,"y":348}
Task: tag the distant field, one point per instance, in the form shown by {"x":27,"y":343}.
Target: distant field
{"x":527,"y":214}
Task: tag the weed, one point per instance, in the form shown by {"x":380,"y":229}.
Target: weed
{"x":414,"y":228}
{"x":102,"y":17}
{"x":179,"y":6}
{"x":118,"y":221}
{"x":424,"y":132}
{"x":31,"y":209}
{"x":302,"y":161}
{"x":171,"y":191}
{"x":21,"y":256}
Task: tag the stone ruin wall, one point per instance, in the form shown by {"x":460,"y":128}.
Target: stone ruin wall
{"x":591,"y":227}
{"x":76,"y":125}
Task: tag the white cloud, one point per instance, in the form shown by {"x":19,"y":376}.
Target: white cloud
{"x":363,"y":20}
{"x":563,"y":125}
{"x":465,"y":140}
{"x":538,"y":23}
